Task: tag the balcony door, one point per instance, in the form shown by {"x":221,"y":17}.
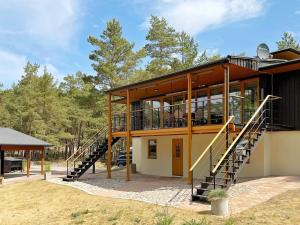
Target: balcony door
{"x":177,"y":157}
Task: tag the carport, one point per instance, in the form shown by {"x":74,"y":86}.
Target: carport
{"x":12,"y":140}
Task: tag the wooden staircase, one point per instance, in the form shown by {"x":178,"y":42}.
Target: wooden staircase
{"x":87,"y":156}
{"x":222,"y":161}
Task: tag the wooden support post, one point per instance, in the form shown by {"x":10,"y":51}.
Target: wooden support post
{"x":226,"y":102}
{"x":28,"y":163}
{"x":109,"y":138}
{"x":128,"y":126}
{"x":161,"y":113}
{"x":42,"y":161}
{"x":2,"y":162}
{"x":190,"y":135}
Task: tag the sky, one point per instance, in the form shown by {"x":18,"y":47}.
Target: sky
{"x":53,"y":33}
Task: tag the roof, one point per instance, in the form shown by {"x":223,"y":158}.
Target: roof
{"x":287,"y":53}
{"x":12,"y":137}
{"x":283,"y":57}
{"x":219,"y":61}
{"x":238,"y":60}
{"x":282,"y":67}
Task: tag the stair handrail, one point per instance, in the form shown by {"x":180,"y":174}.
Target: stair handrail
{"x":87,"y":145}
{"x":87,"y":148}
{"x":269,"y":97}
{"x":211,"y":143}
{"x":83,"y":146}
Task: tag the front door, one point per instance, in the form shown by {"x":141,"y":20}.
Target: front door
{"x":177,"y":157}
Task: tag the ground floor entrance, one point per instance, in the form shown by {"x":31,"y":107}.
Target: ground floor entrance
{"x":177,"y":157}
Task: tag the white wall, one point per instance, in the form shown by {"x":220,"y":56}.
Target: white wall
{"x":277,"y":153}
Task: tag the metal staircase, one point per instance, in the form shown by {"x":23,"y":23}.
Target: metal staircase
{"x":87,"y":155}
{"x":226,"y":155}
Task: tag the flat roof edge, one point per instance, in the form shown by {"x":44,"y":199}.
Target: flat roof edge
{"x":202,"y":66}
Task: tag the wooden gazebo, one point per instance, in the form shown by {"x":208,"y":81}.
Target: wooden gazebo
{"x":12,"y":140}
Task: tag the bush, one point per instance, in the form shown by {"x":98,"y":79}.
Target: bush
{"x":47,"y":167}
{"x":217,"y":194}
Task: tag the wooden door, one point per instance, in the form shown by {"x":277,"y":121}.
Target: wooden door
{"x":177,"y":157}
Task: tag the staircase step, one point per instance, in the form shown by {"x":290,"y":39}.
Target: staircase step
{"x":67,"y":179}
{"x":203,"y":184}
{"x":211,"y":178}
{"x":200,"y":198}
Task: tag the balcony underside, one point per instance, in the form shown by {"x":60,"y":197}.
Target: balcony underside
{"x":173,"y":131}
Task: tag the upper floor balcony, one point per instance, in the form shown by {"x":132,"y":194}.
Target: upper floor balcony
{"x":201,"y":98}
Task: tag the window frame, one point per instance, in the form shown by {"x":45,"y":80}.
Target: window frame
{"x":150,"y":156}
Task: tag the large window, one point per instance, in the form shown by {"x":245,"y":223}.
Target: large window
{"x":152,"y":149}
{"x":216,"y":106}
{"x":200,"y":111}
{"x":250,"y":99}
{"x":235,"y":103}
{"x":151,"y":115}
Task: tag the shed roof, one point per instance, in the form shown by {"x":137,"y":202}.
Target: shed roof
{"x":12,"y":137}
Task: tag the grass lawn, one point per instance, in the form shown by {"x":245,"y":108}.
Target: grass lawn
{"x":40,"y":202}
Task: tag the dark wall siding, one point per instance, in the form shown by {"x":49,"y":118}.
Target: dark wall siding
{"x":286,"y":85}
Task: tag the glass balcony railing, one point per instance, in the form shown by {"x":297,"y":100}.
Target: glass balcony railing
{"x":203,"y":112}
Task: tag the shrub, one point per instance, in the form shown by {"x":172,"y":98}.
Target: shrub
{"x":47,"y":167}
{"x":217,"y":194}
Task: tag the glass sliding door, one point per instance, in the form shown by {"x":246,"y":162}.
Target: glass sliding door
{"x":235,"y":103}
{"x":156,"y":114}
{"x":251,"y":98}
{"x":167,"y":112}
{"x":216,"y":106}
{"x":179,"y":110}
{"x":200,"y":114}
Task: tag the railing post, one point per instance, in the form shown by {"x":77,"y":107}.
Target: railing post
{"x":210,"y":159}
{"x":192,"y":181}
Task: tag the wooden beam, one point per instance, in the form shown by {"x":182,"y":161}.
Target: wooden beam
{"x":128,"y":126}
{"x":226,"y":103}
{"x":109,"y":138}
{"x":28,"y":163}
{"x":21,"y":148}
{"x":2,"y":162}
{"x":42,"y":161}
{"x":190,"y":135}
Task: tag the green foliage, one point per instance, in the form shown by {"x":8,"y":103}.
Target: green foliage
{"x":114,"y":58}
{"x":187,"y":52}
{"x":47,"y":167}
{"x":230,"y":221}
{"x":162,"y":45}
{"x":203,"y":221}
{"x":288,"y":40}
{"x":66,"y":114}
{"x":217,"y":194}
{"x":164,"y":218}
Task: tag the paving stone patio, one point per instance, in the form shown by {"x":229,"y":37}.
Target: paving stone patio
{"x":176,"y":193}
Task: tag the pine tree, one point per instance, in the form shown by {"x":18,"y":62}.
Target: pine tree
{"x":287,"y":41}
{"x":161,"y":47}
{"x":114,"y":57}
{"x":187,"y":52}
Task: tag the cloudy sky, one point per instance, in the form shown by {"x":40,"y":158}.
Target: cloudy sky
{"x":54,"y":32}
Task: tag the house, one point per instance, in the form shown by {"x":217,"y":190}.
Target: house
{"x":212,"y":123}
